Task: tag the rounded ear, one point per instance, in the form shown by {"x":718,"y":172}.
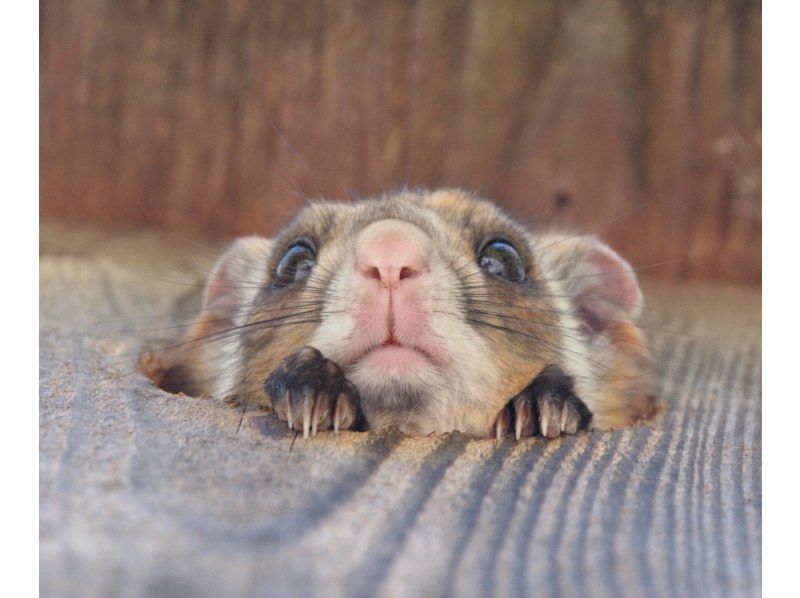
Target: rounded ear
{"x":236,"y":278}
{"x":601,"y":284}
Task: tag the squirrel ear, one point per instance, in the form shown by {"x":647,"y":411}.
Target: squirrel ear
{"x":601,"y":283}
{"x":236,"y":278}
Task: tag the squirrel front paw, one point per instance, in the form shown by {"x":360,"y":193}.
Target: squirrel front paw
{"x":311,"y":393}
{"x":548,"y":406}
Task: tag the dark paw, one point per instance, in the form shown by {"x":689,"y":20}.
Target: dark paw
{"x":311,"y":394}
{"x":548,"y":406}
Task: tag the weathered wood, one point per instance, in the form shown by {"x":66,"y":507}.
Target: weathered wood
{"x":145,"y":493}
{"x":182,"y":114}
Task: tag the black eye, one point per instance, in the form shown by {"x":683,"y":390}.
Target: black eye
{"x":296,"y":264}
{"x":500,"y":258}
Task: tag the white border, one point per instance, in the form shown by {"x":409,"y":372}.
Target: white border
{"x":19,"y":156}
{"x":781,"y":192}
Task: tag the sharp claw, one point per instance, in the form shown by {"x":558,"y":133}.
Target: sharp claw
{"x":307,"y":404}
{"x":287,"y":404}
{"x":292,"y":388}
{"x":548,"y":420}
{"x":337,"y":415}
{"x":524,"y":417}
{"x":315,"y":417}
{"x":344,"y":412}
{"x":503,"y":423}
{"x":569,"y":420}
{"x":544,"y":419}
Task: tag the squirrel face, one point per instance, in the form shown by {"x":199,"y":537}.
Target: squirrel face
{"x":435,"y":305}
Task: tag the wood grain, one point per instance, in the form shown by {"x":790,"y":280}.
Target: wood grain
{"x":145,"y":493}
{"x":216,"y":116}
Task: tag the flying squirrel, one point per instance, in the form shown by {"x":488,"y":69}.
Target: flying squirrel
{"x":431,"y":311}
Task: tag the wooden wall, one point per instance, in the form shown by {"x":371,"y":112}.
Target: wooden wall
{"x":214,"y":116}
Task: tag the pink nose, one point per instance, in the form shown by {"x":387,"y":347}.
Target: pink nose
{"x":391,"y":251}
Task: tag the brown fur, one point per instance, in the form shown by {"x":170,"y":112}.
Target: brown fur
{"x":627,"y":395}
{"x":181,"y":368}
{"x":524,"y":326}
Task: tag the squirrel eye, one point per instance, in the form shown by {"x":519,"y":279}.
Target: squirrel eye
{"x":296,"y":264}
{"x":501,"y":259}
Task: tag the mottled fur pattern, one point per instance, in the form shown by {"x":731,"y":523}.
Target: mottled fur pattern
{"x":576,"y":309}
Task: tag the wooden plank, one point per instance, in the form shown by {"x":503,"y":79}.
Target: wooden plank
{"x":188,"y":114}
{"x":145,"y":493}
